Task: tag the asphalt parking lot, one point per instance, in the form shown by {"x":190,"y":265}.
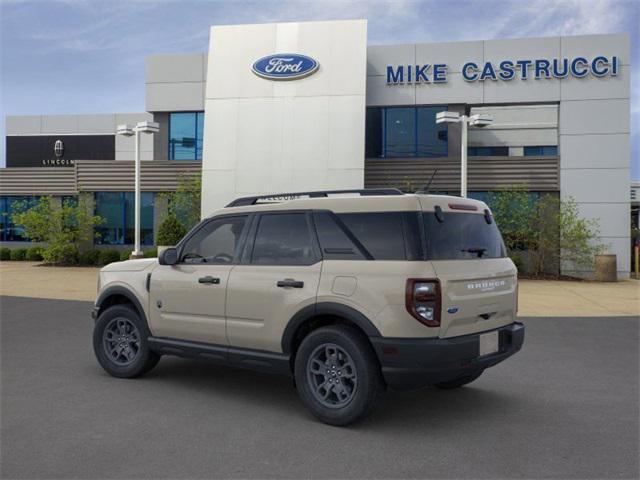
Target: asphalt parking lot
{"x":565,"y":407}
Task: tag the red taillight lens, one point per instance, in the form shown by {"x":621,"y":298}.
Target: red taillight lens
{"x":423,"y":301}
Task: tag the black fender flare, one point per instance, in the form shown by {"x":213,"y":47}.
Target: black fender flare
{"x":326,"y":308}
{"x":125,"y":292}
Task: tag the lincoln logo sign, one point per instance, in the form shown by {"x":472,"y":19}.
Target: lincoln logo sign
{"x":285,"y":66}
{"x":505,"y":70}
{"x":58,"y":148}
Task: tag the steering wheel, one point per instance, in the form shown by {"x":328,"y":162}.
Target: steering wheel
{"x":222,"y":258}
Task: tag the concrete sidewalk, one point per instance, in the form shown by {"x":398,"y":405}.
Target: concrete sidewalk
{"x":538,"y":298}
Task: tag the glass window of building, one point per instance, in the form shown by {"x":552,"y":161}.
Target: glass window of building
{"x":488,"y":151}
{"x":117,"y":212}
{"x":543,"y":151}
{"x":405,"y":132}
{"x":185,"y":135}
{"x":9,"y":231}
{"x":400,"y":132}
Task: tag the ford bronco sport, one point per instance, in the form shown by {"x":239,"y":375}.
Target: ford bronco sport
{"x":349,"y":292}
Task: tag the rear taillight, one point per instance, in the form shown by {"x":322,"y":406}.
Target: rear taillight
{"x":423,"y":301}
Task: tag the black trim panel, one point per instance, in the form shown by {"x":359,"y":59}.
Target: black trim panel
{"x":325,"y":308}
{"x":409,"y":363}
{"x":269,"y":362}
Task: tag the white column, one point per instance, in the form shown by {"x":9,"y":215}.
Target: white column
{"x":136,"y":248}
{"x":463,"y":157}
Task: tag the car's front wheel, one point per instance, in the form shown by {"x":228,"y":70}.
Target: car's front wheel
{"x":120,"y":343}
{"x":337,"y":375}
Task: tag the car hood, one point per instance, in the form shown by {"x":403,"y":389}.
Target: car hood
{"x":130,"y":265}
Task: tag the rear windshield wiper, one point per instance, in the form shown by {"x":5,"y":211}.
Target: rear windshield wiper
{"x":478,"y":250}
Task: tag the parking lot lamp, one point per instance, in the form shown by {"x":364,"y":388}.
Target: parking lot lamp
{"x":477,"y":120}
{"x":128,"y":131}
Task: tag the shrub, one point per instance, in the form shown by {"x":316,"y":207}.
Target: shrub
{"x":5,"y":253}
{"x":34,"y":254}
{"x":62,"y":227}
{"x":184,"y":203}
{"x":60,"y":254}
{"x":153,"y":253}
{"x":124,"y":255}
{"x":109,"y":256}
{"x":18,"y":254}
{"x":171,"y":231}
{"x":90,"y":257}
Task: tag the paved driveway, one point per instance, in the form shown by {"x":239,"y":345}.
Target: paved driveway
{"x":566,"y":406}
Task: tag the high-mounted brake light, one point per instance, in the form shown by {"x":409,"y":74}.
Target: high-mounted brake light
{"x":463,"y":206}
{"x":422,"y":299}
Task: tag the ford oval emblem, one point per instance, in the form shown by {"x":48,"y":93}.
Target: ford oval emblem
{"x":285,"y":66}
{"x":452,"y":309}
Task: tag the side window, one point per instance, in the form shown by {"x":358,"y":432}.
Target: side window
{"x":335,"y":243}
{"x":283,"y":239}
{"x":216,"y":242}
{"x":380,"y":233}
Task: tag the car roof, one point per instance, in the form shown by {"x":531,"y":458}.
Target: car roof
{"x":371,"y":203}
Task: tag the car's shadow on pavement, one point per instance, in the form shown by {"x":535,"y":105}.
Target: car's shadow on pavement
{"x":417,"y":409}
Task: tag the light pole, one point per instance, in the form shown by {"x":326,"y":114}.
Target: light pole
{"x":478,"y":120}
{"x":128,"y":131}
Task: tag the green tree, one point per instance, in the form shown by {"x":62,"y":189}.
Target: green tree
{"x":63,"y":227}
{"x":514,"y":211}
{"x":578,"y":236}
{"x":549,"y":229}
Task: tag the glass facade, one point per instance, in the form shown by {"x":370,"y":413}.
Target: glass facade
{"x":544,"y":151}
{"x":185,"y":135}
{"x":10,"y":232}
{"x":488,"y":151}
{"x":117,"y":211}
{"x":405,"y":132}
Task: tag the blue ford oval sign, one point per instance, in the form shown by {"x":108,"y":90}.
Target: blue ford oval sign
{"x":285,"y":66}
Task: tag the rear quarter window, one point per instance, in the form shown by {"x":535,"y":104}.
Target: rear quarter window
{"x":385,"y":235}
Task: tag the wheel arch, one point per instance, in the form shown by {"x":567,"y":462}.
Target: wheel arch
{"x":320,"y":314}
{"x":119,"y":295}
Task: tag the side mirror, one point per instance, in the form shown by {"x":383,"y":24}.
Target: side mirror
{"x":168,"y":257}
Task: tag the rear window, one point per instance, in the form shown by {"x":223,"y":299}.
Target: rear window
{"x":461,"y":236}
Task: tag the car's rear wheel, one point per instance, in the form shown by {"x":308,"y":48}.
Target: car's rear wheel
{"x":459,"y":382}
{"x":337,"y":375}
{"x":120,"y":343}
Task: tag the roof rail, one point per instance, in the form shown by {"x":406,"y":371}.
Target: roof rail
{"x":283,"y":197}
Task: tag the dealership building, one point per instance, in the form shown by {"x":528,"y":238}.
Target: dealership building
{"x":310,"y":106}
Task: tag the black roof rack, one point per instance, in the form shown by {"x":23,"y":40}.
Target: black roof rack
{"x":283,"y":197}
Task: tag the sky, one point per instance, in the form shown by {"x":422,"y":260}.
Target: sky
{"x":87,"y":56}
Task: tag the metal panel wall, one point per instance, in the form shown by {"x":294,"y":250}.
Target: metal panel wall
{"x":485,"y":173}
{"x":37,"y":181}
{"x":117,"y":176}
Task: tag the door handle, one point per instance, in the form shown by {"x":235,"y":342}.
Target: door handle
{"x":209,"y":279}
{"x":290,"y":282}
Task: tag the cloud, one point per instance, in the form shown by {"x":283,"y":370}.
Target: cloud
{"x":57,"y":54}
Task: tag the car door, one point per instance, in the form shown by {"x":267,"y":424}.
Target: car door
{"x":188,"y":298}
{"x":279,"y":275}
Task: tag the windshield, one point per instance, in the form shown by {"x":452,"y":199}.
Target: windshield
{"x":461,"y":236}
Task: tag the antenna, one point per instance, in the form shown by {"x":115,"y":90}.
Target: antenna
{"x":425,"y":189}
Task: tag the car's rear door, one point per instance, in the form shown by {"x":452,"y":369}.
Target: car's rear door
{"x":278,"y":275}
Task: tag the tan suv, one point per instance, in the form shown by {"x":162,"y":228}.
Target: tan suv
{"x":349,"y":292}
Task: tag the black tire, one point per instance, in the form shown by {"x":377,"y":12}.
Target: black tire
{"x":134,"y":357}
{"x":359,"y":386}
{"x":459,"y":382}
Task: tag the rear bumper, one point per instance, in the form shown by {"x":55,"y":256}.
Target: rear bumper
{"x":409,"y":363}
